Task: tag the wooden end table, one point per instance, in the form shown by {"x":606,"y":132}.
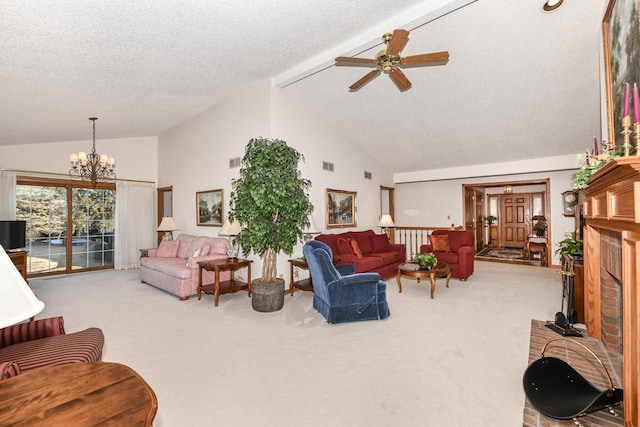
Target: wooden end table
{"x":228,"y":286}
{"x":412,"y":269}
{"x":78,"y":394}
{"x":304,"y":284}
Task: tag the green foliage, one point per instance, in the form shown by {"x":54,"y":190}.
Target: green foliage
{"x":426,"y":258}
{"x":569,"y":245}
{"x":270,"y":201}
{"x":490,"y":219}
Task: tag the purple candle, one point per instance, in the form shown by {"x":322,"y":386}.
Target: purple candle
{"x":636,"y":104}
{"x":627,"y":101}
{"x":595,"y":146}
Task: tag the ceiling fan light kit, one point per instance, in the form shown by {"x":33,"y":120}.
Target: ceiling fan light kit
{"x":389,"y":61}
{"x":552,"y":5}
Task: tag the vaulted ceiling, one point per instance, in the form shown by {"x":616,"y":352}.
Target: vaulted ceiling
{"x":520,"y":83}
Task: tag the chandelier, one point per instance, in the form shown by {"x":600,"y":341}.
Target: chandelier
{"x":92,"y":167}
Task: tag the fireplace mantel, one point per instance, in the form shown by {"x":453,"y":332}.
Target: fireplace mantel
{"x":612,"y":204}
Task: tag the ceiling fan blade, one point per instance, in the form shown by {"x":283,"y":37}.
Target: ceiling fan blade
{"x":347,"y":60}
{"x":400,"y":79}
{"x":398,"y":39}
{"x":425,"y":58}
{"x":366,"y":79}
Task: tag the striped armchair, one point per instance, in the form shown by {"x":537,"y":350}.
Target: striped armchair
{"x":38,"y":344}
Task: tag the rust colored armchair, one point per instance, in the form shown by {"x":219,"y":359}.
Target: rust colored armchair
{"x":38,"y":344}
{"x":456,"y":248}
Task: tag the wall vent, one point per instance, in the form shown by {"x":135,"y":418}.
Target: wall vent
{"x":367,"y":175}
{"x":326,"y":166}
{"x":234,"y":163}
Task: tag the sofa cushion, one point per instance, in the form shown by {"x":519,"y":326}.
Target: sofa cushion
{"x":381,"y":243}
{"x":448,"y":257}
{"x":440,"y":243}
{"x":175,"y":267}
{"x":205,"y":250}
{"x":343,"y":246}
{"x":367,"y":263}
{"x":195,"y":254}
{"x":388,"y":257}
{"x":83,"y":346}
{"x":355,"y":248}
{"x":217,"y":245}
{"x":185,"y":245}
{"x":168,"y":249}
{"x":364,"y":239}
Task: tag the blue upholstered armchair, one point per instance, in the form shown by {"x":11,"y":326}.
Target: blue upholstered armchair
{"x":339,"y":294}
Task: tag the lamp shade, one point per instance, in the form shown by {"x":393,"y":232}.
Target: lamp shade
{"x":167,"y":224}
{"x":312,"y":228}
{"x":386,"y":221}
{"x":18,"y":301}
{"x":230,"y":228}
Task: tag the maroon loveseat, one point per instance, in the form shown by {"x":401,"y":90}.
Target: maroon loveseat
{"x":378,"y":255}
{"x":459,"y":254}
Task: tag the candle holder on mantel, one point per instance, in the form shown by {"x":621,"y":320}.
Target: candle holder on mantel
{"x":626,"y":132}
{"x":636,"y":137}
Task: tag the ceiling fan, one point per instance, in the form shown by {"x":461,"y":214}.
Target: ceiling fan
{"x":389,"y":61}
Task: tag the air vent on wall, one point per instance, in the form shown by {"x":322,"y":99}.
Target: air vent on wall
{"x":326,"y":166}
{"x":367,"y":175}
{"x":234,"y":163}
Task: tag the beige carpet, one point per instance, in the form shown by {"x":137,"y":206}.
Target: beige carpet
{"x":452,"y":361}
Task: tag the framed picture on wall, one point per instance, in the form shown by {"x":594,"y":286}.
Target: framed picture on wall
{"x":340,"y":208}
{"x":209,"y":207}
{"x":621,"y":31}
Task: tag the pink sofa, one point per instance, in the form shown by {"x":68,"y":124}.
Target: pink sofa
{"x":460,"y":254}
{"x":173,"y":266}
{"x":378,"y":255}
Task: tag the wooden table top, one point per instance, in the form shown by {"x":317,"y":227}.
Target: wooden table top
{"x":78,"y":394}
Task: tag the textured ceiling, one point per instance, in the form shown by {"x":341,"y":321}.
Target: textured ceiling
{"x":520,"y":83}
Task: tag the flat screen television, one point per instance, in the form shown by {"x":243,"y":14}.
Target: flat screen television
{"x":13,"y":234}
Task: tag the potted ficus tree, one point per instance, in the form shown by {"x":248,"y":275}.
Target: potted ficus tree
{"x":270,"y":200}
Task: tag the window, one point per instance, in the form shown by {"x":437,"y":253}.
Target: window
{"x":70,"y":226}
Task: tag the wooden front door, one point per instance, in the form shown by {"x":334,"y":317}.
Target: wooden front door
{"x":514,"y":224}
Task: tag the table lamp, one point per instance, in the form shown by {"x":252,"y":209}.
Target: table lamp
{"x":310,"y":230}
{"x":385,"y":223}
{"x":168,"y":226}
{"x":18,"y":301}
{"x":231,"y":230}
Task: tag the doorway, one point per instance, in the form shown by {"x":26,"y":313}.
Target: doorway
{"x":165,"y":206}
{"x":506,"y":216}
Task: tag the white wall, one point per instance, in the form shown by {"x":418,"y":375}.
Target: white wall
{"x":432,"y":203}
{"x":136,"y":158}
{"x":195,"y":156}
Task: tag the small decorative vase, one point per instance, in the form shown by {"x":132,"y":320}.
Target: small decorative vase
{"x":424,"y":266}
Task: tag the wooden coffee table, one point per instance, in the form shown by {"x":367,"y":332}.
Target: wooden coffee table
{"x":411,"y":269}
{"x":78,"y":394}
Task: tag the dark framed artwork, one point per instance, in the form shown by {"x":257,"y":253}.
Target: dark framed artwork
{"x":209,"y":207}
{"x":621,"y":31}
{"x":340,"y":208}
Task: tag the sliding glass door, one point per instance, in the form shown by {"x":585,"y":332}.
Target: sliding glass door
{"x":70,"y":226}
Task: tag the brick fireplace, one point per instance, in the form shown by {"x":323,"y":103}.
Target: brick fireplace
{"x":612,"y":255}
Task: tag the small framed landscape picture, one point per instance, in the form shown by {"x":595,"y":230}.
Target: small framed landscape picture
{"x":209,"y":208}
{"x":340,"y":209}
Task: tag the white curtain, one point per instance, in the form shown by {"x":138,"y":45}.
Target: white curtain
{"x":7,"y":195}
{"x":135,"y":222}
